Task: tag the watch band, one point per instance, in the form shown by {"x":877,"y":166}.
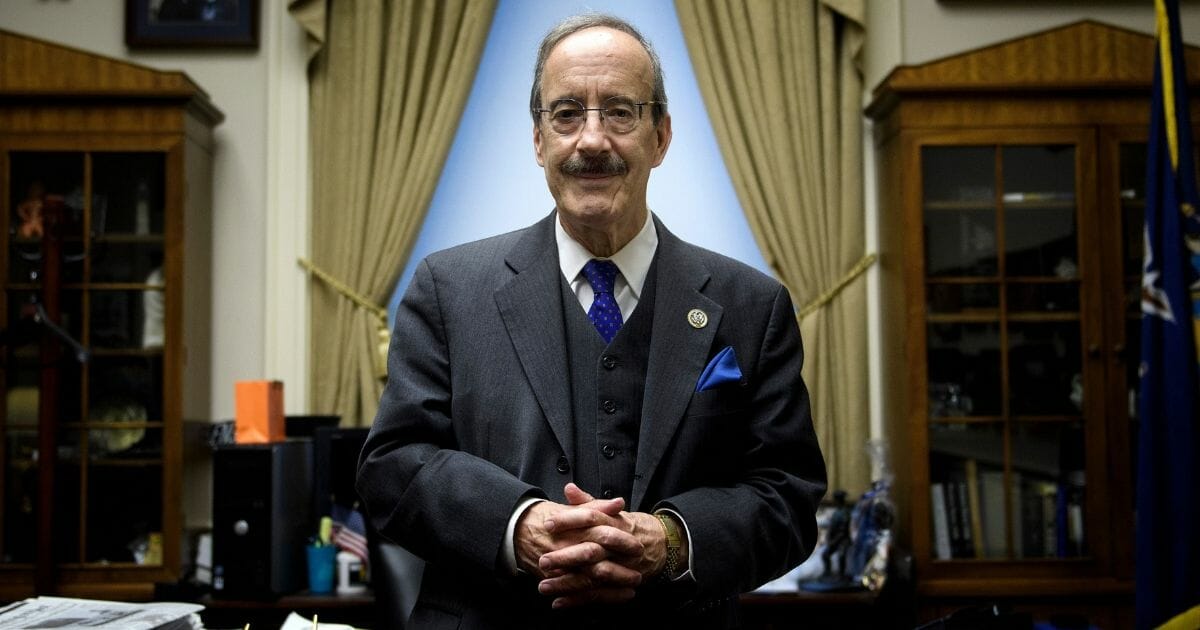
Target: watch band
{"x":674,"y":544}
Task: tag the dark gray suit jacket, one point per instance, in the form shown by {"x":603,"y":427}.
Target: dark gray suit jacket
{"x":477,"y":416}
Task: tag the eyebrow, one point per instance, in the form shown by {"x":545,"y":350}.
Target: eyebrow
{"x":603,"y":98}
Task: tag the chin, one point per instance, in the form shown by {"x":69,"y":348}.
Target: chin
{"x":590,"y":209}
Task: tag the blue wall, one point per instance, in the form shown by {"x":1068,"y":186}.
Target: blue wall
{"x":491,"y":183}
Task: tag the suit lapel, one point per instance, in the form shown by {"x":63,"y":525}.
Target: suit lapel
{"x":678,"y":352}
{"x":530,"y":306}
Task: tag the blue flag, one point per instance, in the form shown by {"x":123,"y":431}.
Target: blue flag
{"x":1168,"y":471}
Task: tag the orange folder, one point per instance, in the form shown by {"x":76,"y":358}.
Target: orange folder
{"x":258,"y":415}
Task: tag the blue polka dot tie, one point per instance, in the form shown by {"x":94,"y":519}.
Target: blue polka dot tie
{"x":604,"y":313}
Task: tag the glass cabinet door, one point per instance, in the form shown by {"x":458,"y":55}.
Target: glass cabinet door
{"x":108,"y":502}
{"x":1004,"y":352}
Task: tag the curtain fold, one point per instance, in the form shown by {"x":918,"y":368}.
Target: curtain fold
{"x":388,"y":84}
{"x":782,"y":84}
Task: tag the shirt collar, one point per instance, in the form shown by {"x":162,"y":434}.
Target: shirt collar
{"x":633,"y":260}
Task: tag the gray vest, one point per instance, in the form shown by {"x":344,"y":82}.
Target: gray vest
{"x":607,"y":385}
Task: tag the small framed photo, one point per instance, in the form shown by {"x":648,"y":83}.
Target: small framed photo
{"x":191,"y":23}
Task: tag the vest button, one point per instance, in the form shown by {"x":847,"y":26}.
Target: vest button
{"x":608,"y":494}
{"x":564,"y":466}
{"x":608,"y":451}
{"x":608,"y":362}
{"x":609,"y":406}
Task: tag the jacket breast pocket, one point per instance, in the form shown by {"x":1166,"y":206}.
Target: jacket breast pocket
{"x":720,"y":401}
{"x":713,"y":432}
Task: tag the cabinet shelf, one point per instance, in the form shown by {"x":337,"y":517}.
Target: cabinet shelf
{"x":101,"y":425}
{"x":126,"y":352}
{"x":128,"y":238}
{"x":997,"y":280}
{"x":957,"y":205}
{"x":994,"y":316}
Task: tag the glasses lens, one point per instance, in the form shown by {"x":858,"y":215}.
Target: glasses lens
{"x":620,"y":115}
{"x":566,"y":116}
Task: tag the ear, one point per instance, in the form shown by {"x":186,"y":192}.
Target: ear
{"x":537,"y":145}
{"x":663,"y":135}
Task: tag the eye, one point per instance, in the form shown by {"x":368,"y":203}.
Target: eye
{"x":566,"y":114}
{"x":620,"y":113}
{"x":566,"y":111}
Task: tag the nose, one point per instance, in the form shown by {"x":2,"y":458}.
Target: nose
{"x":593,"y":137}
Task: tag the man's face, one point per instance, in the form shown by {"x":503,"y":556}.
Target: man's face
{"x":591,"y":66}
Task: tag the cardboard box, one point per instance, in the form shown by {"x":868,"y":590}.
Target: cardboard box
{"x":258,"y":413}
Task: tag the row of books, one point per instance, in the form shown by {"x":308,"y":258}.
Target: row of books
{"x":970,"y":520}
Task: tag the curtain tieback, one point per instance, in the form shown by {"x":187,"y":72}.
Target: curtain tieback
{"x":861,"y":266}
{"x":382,"y":333}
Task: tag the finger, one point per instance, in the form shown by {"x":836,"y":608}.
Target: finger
{"x":571,"y":557}
{"x":593,"y":514}
{"x":602,"y":543}
{"x":575,"y":495}
{"x":598,"y":576}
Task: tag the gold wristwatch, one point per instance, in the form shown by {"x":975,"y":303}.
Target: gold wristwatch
{"x":674,"y":544}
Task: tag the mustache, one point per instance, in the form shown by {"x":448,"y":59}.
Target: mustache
{"x":607,"y":164}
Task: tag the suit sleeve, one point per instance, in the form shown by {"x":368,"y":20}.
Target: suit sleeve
{"x":419,"y":488}
{"x":763,"y":524}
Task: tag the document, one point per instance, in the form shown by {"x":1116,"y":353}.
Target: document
{"x":63,"y":613}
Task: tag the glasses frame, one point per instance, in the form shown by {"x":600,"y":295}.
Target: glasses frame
{"x":600,"y":111}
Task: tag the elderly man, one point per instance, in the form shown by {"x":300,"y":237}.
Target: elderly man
{"x":589,"y":420}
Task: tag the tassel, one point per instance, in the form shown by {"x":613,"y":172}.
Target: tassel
{"x":383,"y":341}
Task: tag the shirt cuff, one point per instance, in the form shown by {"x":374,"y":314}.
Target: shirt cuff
{"x":510,"y":543}
{"x":686,"y":575}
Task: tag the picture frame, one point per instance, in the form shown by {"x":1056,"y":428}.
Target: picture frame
{"x":191,"y":23}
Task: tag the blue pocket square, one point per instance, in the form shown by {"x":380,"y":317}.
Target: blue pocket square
{"x":722,"y":369}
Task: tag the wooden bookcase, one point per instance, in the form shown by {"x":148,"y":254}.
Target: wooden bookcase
{"x":105,"y":194}
{"x":1011,"y":187}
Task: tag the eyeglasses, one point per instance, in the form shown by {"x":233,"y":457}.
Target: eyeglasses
{"x":619,"y":115}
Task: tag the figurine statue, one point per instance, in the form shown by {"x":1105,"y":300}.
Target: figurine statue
{"x":837,"y":541}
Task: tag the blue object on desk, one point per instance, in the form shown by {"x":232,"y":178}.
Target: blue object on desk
{"x":320,"y":568}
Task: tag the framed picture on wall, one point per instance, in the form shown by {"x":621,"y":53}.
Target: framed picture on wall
{"x":191,"y":23}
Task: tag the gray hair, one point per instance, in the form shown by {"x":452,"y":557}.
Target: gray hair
{"x":578,"y":23}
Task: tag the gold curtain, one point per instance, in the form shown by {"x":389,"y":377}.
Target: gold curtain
{"x":783,"y":87}
{"x":387,"y":85}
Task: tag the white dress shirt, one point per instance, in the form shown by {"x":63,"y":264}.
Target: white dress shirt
{"x":633,"y":262}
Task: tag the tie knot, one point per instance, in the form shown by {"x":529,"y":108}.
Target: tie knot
{"x":600,"y":274}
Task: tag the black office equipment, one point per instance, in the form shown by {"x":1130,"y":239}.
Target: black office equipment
{"x":335,"y":455}
{"x":262,"y":518}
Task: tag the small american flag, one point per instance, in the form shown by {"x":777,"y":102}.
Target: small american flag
{"x":350,"y":531}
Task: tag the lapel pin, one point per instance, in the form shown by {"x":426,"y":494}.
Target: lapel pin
{"x":697,"y":318}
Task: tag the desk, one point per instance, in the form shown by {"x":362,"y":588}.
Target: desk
{"x":777,"y":611}
{"x":802,"y":609}
{"x":355,"y":610}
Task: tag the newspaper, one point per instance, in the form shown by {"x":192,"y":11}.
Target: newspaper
{"x":62,"y":613}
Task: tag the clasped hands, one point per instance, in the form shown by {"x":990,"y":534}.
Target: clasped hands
{"x":589,"y":551}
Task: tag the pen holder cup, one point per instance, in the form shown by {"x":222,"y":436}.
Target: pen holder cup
{"x":320,"y":568}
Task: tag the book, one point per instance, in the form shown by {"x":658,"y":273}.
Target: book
{"x":1062,"y":546}
{"x":941,"y":522}
{"x":1017,"y":520}
{"x":975,"y":511}
{"x":1032,"y":529}
{"x":952,"y":513}
{"x":995,"y":527}
{"x":967,"y":544}
{"x":1049,"y":494}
